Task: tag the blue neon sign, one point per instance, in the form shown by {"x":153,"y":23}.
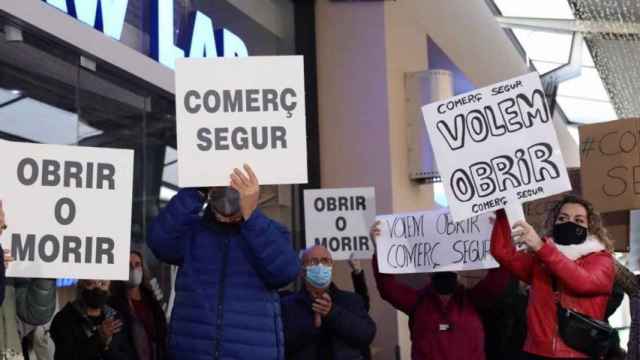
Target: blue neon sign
{"x":205,"y":41}
{"x":61,"y":283}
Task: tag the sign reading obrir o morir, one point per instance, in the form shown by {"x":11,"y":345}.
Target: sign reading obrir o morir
{"x":339,"y":219}
{"x":67,"y":248}
{"x":70,"y":210}
{"x":342,"y":203}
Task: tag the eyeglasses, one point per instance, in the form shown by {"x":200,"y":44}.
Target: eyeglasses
{"x":316,"y":261}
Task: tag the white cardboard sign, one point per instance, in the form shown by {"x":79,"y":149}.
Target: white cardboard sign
{"x":340,"y":220}
{"x":496,"y":147}
{"x":231,"y":111}
{"x":68,"y":210}
{"x":431,"y":241}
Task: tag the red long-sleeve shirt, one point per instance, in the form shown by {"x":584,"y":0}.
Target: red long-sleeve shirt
{"x":465,"y":337}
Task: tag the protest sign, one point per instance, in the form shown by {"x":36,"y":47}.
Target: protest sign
{"x":68,"y":210}
{"x":431,"y":241}
{"x":617,"y":224}
{"x":231,"y":111}
{"x":610,"y":162}
{"x":340,"y":220}
{"x":496,"y":147}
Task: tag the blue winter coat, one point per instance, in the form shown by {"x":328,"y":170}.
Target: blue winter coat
{"x":226,"y":305}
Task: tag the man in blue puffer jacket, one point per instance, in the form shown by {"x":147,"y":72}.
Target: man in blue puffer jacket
{"x":232,"y":260}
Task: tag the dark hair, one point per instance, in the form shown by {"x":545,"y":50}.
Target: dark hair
{"x":120,"y":302}
{"x":593,"y":218}
{"x":137,"y":253}
{"x":119,"y":289}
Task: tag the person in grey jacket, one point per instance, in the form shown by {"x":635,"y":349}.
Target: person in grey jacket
{"x":33,"y":301}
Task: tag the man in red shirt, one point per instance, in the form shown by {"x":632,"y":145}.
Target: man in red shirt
{"x":443,"y":317}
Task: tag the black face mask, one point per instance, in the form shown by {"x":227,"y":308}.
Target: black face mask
{"x":569,"y":233}
{"x":225,"y":201}
{"x":444,"y":283}
{"x":95,"y":298}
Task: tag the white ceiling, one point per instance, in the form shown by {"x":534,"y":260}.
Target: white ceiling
{"x":583,"y":99}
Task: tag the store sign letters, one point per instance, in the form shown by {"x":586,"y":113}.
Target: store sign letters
{"x":205,"y":40}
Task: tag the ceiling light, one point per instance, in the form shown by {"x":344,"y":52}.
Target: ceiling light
{"x":12,"y":33}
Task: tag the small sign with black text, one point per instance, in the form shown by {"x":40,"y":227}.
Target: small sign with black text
{"x":340,"y":220}
{"x":431,"y":241}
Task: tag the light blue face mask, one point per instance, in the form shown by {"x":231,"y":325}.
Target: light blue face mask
{"x":319,"y":275}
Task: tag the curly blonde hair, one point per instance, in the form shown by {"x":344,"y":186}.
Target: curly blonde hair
{"x":596,"y":227}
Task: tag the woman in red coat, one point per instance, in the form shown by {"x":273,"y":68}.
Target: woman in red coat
{"x":576,"y":252}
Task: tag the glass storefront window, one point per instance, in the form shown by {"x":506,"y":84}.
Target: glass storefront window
{"x":46,"y":96}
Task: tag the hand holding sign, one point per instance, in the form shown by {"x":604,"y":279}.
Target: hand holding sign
{"x":525,"y":233}
{"x":354,"y":264}
{"x":3,"y":224}
{"x":375,"y":231}
{"x":7,"y":258}
{"x":248,"y":187}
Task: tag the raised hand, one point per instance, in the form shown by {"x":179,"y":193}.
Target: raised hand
{"x":525,"y":233}
{"x":7,"y":258}
{"x":3,"y":223}
{"x":247,"y":185}
{"x":375,"y":232}
{"x":354,"y":263}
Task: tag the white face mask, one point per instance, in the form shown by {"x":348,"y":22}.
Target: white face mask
{"x":135,"y":278}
